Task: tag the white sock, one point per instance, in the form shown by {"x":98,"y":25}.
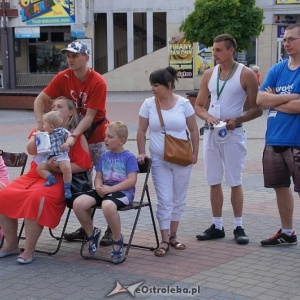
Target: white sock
{"x":287,"y":231}
{"x":218,"y":222}
{"x":238,"y":221}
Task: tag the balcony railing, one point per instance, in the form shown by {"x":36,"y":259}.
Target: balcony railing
{"x":33,"y":79}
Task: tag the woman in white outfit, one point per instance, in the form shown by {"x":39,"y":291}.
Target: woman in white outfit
{"x":170,"y":180}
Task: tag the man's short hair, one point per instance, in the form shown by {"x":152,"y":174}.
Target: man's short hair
{"x":228,"y":39}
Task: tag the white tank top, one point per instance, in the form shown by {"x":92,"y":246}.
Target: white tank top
{"x":233,"y":96}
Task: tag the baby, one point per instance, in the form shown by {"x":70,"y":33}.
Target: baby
{"x":59,"y":148}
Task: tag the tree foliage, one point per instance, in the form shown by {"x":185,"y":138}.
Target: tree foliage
{"x":240,"y":18}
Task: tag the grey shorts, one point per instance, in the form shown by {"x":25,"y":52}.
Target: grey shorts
{"x":60,"y":157}
{"x":280,"y":167}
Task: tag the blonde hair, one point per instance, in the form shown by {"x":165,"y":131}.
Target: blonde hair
{"x":73,"y":121}
{"x":54,"y":118}
{"x":119,"y":128}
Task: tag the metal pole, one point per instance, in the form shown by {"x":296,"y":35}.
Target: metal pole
{"x":4,"y":39}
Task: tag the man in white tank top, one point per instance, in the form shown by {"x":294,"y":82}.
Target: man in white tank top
{"x":228,"y":84}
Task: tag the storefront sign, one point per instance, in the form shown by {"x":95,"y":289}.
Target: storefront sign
{"x":181,"y":57}
{"x":47,"y":12}
{"x":287,"y":2}
{"x":204,"y":60}
{"x":280,"y":31}
{"x":27,"y":32}
{"x":78,"y":31}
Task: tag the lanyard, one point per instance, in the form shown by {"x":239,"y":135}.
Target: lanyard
{"x":225,"y":81}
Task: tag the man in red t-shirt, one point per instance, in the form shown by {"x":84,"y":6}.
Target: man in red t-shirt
{"x":87,"y":89}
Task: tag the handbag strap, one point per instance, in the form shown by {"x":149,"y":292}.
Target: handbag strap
{"x":162,"y":120}
{"x":159,"y":114}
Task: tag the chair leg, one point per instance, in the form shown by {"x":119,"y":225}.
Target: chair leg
{"x":60,"y":239}
{"x":135,"y":224}
{"x":129,"y":244}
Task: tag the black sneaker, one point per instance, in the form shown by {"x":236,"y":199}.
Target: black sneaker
{"x":78,"y":235}
{"x":94,"y":241}
{"x":107,"y":238}
{"x":240,"y":236}
{"x":280,"y":239}
{"x":211,"y":233}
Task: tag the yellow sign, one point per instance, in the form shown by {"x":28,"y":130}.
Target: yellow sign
{"x":203,"y":60}
{"x":287,"y":2}
{"x":181,"y":57}
{"x":47,"y":12}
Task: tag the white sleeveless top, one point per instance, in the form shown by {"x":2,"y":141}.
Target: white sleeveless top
{"x":233,"y":96}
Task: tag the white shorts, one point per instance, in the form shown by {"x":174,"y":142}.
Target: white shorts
{"x":60,"y":157}
{"x":226,"y":157}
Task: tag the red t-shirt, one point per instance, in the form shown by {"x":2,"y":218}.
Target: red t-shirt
{"x":90,"y":93}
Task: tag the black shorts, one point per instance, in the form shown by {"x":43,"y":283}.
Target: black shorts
{"x":119,"y":198}
{"x":280,"y":167}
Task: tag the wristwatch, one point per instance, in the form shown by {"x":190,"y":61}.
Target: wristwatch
{"x":73,"y":135}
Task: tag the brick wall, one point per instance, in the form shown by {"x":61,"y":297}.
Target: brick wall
{"x":20,"y":102}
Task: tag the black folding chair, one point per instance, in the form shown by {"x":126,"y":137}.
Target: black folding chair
{"x":136,"y":205}
{"x":14,"y":160}
{"x":59,"y":238}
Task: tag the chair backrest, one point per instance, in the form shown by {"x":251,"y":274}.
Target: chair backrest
{"x":15,"y":159}
{"x":145,"y":168}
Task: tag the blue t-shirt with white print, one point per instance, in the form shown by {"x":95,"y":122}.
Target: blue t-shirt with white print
{"x":115,"y":168}
{"x":283,"y":129}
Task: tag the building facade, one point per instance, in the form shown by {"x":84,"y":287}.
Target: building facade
{"x":128,"y":38}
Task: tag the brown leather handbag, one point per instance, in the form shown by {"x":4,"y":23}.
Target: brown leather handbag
{"x":177,"y":151}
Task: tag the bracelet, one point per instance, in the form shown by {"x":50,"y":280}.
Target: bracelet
{"x":73,"y":135}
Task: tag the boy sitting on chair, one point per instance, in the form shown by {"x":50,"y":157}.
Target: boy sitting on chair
{"x":114,"y":188}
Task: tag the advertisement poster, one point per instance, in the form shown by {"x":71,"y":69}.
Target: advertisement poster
{"x":47,"y":12}
{"x":287,"y":1}
{"x":204,"y":59}
{"x":181,"y":57}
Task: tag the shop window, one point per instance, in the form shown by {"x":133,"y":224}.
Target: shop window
{"x":44,"y":52}
{"x":120,"y":39}
{"x":57,"y":37}
{"x":43,"y":37}
{"x":46,"y":58}
{"x":140,"y":34}
{"x":159,"y":30}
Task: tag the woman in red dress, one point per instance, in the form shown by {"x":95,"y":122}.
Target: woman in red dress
{"x":26,"y":197}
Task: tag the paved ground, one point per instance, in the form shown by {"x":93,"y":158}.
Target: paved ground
{"x":221,"y":269}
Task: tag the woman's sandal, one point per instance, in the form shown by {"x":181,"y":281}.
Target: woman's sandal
{"x":117,"y":255}
{"x":175,"y":244}
{"x":161,"y":251}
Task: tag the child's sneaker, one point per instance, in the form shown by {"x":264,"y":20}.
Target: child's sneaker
{"x":50,"y":180}
{"x":67,"y":189}
{"x":94,"y":241}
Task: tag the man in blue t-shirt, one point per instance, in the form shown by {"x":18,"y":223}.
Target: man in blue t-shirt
{"x":280,"y":93}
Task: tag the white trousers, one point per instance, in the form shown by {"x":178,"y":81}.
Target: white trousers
{"x":171,"y":184}
{"x":228,"y":158}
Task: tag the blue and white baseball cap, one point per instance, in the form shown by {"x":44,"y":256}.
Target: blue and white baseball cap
{"x":77,"y":47}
